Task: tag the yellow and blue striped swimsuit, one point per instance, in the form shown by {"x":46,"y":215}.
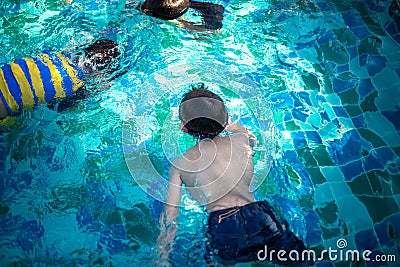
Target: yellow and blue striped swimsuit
{"x":29,"y":82}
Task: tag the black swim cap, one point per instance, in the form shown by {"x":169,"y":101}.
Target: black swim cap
{"x":203,"y":113}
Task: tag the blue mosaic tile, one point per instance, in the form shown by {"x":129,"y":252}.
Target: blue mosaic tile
{"x":352,"y":170}
{"x":283,"y":17}
{"x":263,"y":69}
{"x":352,"y":19}
{"x":396,"y":38}
{"x":327,"y":64}
{"x":374,"y":7}
{"x":324,"y":116}
{"x":359,"y":121}
{"x":281,"y":100}
{"x":385,"y":154}
{"x":284,"y":205}
{"x":313,"y":137}
{"x":365,"y":87}
{"x":280,"y":127}
{"x":29,"y":232}
{"x":3,"y":154}
{"x":327,"y":37}
{"x":348,"y":148}
{"x":336,"y":122}
{"x":296,"y":101}
{"x":371,"y":162}
{"x":305,"y":96}
{"x":397,"y":71}
{"x":299,"y":115}
{"x":287,"y":116}
{"x":391,"y":28}
{"x":299,"y":139}
{"x":325,"y":6}
{"x":393,"y":117}
{"x":342,"y":68}
{"x":323,"y":194}
{"x":291,"y":156}
{"x":340,"y":85}
{"x":361,"y":32}
{"x":314,"y":235}
{"x":363,"y":60}
{"x":340,"y":111}
{"x":333,"y":99}
{"x":388,"y":230}
{"x":353,"y":212}
{"x":300,"y":46}
{"x":312,"y":34}
{"x":332,"y":174}
{"x":376,"y":64}
{"x":321,"y":98}
{"x":366,"y":240}
{"x":381,"y":126}
{"x":325,"y":264}
{"x":353,"y":52}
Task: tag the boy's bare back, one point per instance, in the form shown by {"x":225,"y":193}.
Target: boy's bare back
{"x":218,"y":172}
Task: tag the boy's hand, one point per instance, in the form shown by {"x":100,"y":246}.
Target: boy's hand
{"x":236,"y":128}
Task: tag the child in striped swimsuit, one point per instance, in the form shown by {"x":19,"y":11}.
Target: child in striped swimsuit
{"x":54,"y":77}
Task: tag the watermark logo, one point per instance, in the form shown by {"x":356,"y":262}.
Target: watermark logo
{"x":331,"y":254}
{"x":341,"y":243}
{"x":152,"y":138}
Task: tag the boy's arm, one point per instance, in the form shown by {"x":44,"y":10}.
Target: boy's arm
{"x":173,"y":195}
{"x":236,"y":128}
{"x":168,"y":222}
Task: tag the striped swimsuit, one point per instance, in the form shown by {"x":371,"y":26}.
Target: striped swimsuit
{"x":29,"y":82}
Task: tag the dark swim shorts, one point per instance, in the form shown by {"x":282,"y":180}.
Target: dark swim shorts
{"x":238,"y":234}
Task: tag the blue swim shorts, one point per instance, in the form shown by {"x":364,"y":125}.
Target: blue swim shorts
{"x":238,"y":234}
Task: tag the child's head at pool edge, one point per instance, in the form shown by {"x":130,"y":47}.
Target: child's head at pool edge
{"x":202,"y":113}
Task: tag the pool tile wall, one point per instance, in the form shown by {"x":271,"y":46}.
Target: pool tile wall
{"x":341,"y":132}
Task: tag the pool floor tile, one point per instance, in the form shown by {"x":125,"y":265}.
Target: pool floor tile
{"x":388,"y":231}
{"x":378,"y":123}
{"x":332,"y":174}
{"x":323,"y":194}
{"x":368,"y":104}
{"x":328,"y":213}
{"x":371,"y":137}
{"x":366,"y":240}
{"x":394,"y":117}
{"x":386,"y":78}
{"x":322,"y":156}
{"x":375,"y":207}
{"x":352,"y":210}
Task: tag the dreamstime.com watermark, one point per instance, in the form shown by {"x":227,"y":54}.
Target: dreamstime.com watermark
{"x":331,"y":254}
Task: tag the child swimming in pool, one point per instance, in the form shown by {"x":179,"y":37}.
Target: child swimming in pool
{"x":55,"y":78}
{"x":212,"y":14}
{"x":217,"y":172}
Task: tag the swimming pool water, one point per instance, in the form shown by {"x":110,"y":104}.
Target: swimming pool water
{"x":330,"y":71}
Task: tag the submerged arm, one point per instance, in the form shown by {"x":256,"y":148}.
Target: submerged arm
{"x":168,"y":222}
{"x":212,"y":15}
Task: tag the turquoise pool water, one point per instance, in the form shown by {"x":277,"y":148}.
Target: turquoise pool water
{"x":329,"y":71}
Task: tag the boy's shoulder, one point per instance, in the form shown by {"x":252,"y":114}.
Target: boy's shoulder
{"x":190,"y":155}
